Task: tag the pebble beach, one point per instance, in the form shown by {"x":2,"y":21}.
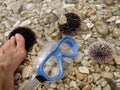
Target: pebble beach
{"x":99,"y":20}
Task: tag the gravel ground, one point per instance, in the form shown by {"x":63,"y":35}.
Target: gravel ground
{"x":100,"y":20}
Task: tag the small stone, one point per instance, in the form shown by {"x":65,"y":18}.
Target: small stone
{"x":96,"y":76}
{"x":117,"y":59}
{"x":7,"y":24}
{"x":108,"y":2}
{"x":62,"y":20}
{"x":66,"y":6}
{"x":107,"y":75}
{"x":43,"y":14}
{"x":84,"y":70}
{"x":25,"y":23}
{"x":117,"y":74}
{"x":16,"y":24}
{"x":118,"y":86}
{"x":112,"y":83}
{"x":83,"y":26}
{"x":117,"y":21}
{"x":26,"y":71}
{"x":73,"y":84}
{"x":71,"y":77}
{"x":86,"y":37}
{"x":107,"y":68}
{"x":17,"y":76}
{"x":102,"y":82}
{"x":50,"y":89}
{"x":97,"y":88}
{"x":7,"y":33}
{"x":30,"y":6}
{"x":16,"y":6}
{"x":90,"y":79}
{"x":102,"y":28}
{"x":80,"y":76}
{"x":87,"y":87}
{"x":51,"y":30}
{"x":48,"y":38}
{"x":111,"y":19}
{"x":52,"y":18}
{"x":48,"y":10}
{"x":116,"y":13}
{"x":60,"y":86}
{"x":107,"y":87}
{"x":86,"y":52}
{"x":116,"y":32}
{"x":117,"y":48}
{"x":53,"y":85}
{"x":90,"y":24}
{"x":79,"y":57}
{"x":85,"y":63}
{"x":56,"y":35}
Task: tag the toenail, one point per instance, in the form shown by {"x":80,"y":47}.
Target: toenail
{"x":17,"y":36}
{"x":12,"y":37}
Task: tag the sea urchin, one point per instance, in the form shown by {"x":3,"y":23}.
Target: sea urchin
{"x":72,"y":25}
{"x":28,"y":35}
{"x":101,"y":52}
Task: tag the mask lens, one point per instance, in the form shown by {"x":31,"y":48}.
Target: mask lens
{"x":51,"y":67}
{"x":66,"y":47}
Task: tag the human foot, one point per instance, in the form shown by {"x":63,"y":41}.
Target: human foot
{"x":12,"y":53}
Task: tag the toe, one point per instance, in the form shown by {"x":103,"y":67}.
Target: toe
{"x":20,"y":41}
{"x":12,"y":42}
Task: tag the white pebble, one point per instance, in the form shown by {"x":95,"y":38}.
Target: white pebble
{"x":16,"y":24}
{"x":25,"y":23}
{"x":73,"y":84}
{"x":68,"y":6}
{"x":117,"y":74}
{"x":117,"y":21}
{"x":84,"y":70}
{"x":88,"y":36}
{"x":90,"y":24}
{"x":30,"y":6}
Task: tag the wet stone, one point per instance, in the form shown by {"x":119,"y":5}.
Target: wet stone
{"x":102,"y":28}
{"x":107,"y":75}
{"x":52,"y":18}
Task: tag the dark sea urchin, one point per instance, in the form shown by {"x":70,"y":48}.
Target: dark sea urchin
{"x":101,"y":52}
{"x":28,"y":35}
{"x":72,"y":25}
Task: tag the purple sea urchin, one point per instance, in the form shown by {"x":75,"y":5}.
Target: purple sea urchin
{"x":72,"y":25}
{"x":101,"y":52}
{"x":28,"y":35}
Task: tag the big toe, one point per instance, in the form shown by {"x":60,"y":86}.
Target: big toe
{"x":20,"y":41}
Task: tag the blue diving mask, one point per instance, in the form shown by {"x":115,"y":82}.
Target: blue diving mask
{"x":67,"y":47}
